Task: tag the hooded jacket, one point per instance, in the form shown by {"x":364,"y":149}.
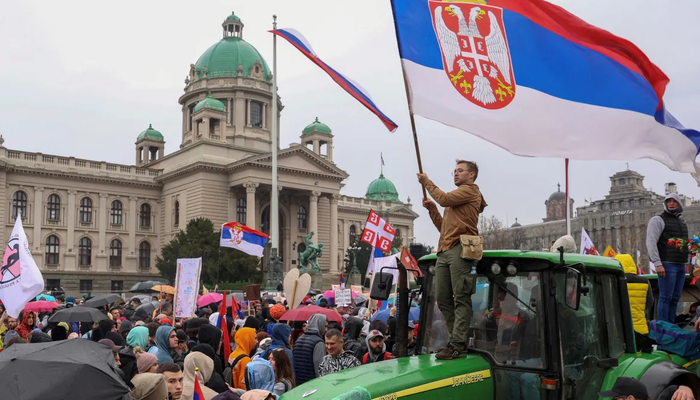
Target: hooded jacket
{"x":280,"y":338}
{"x":206,"y":368}
{"x":259,"y":374}
{"x":661,"y":229}
{"x":216,"y":381}
{"x":163,"y":344}
{"x":310,"y":349}
{"x":567,"y":242}
{"x":351,"y":333}
{"x":245,"y":343}
{"x":641,"y":297}
{"x":209,"y":334}
{"x":23,"y":328}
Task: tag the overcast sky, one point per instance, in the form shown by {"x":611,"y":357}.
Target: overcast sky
{"x":78,"y":78}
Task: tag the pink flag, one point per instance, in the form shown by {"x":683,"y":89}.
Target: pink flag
{"x":20,"y":278}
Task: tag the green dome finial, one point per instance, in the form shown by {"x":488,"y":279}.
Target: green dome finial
{"x":210,"y":103}
{"x":150,"y":134}
{"x":316,"y":126}
{"x":382,"y":189}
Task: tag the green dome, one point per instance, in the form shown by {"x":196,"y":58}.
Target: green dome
{"x":316,"y":127}
{"x":210,"y":102}
{"x":382,"y":189}
{"x":233,"y":17}
{"x":150,"y":133}
{"x":223,"y":58}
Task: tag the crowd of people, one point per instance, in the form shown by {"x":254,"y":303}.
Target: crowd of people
{"x":158,"y":354}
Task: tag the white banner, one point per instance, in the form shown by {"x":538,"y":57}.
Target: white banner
{"x":343,"y":297}
{"x":20,"y":278}
{"x":187,"y":286}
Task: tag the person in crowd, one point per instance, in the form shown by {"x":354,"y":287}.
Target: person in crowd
{"x":6,"y":324}
{"x":567,"y":242}
{"x":280,"y":340}
{"x":260,"y":376}
{"x":173,"y":379}
{"x":390,"y":338}
{"x":181,"y":349}
{"x":377,"y":325}
{"x":351,"y":333}
{"x":284,"y":370}
{"x":166,"y":341}
{"x":59,"y":332}
{"x":670,"y":260}
{"x":214,"y":317}
{"x":191,"y":327}
{"x":149,"y":387}
{"x":261,"y":348}
{"x":152,"y":329}
{"x":134,"y":303}
{"x":136,"y":341}
{"x":632,"y":389}
{"x":641,"y":301}
{"x":686,"y":319}
{"x":411,"y":347}
{"x":216,"y":381}
{"x":28,"y":319}
{"x":166,"y":308}
{"x":252,"y":322}
{"x":298,"y":329}
{"x":209,"y":334}
{"x":115,"y":349}
{"x":310,"y":349}
{"x":124,"y":328}
{"x":37,"y":336}
{"x":145,"y":362}
{"x":454,"y":283}
{"x":337,"y":359}
{"x":377,"y":348}
{"x":206,"y":368}
{"x":245,"y":344}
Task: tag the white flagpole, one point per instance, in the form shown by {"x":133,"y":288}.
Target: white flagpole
{"x":274,"y":206}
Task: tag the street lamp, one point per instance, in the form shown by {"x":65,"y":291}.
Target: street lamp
{"x":355,"y":277}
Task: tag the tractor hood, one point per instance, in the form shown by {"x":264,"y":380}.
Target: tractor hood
{"x":402,"y":377}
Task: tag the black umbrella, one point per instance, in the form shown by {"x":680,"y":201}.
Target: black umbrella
{"x":144,"y":287}
{"x":102,"y":300}
{"x":66,"y":369}
{"x":146,"y":308}
{"x":312,"y":292}
{"x":78,"y":314}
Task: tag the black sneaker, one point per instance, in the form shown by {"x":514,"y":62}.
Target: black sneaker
{"x":448,"y":353}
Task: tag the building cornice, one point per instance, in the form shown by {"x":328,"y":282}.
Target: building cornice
{"x":78,"y":176}
{"x":190,"y":169}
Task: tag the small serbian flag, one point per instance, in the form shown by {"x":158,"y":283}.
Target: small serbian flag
{"x":239,"y":236}
{"x":342,"y":281}
{"x":198,"y":394}
{"x":299,"y":41}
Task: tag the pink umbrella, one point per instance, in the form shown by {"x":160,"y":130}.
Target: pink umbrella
{"x":209,"y":298}
{"x":303,"y":313}
{"x":41,"y":306}
{"x":331,"y":294}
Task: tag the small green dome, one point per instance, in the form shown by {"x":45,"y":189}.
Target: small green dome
{"x":223,"y":58}
{"x":210,"y":102}
{"x":316,"y":126}
{"x":382,"y":189}
{"x":233,"y":17}
{"x":150,"y":134}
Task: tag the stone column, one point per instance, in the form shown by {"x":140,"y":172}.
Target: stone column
{"x":70,"y":239}
{"x":264,"y":116}
{"x":133,"y":224}
{"x":313,"y":214}
{"x":317,"y":146}
{"x":329,"y":151}
{"x":38,"y":221}
{"x":102,"y":218}
{"x":334,"y":232}
{"x":250,"y":204}
{"x":232,"y":205}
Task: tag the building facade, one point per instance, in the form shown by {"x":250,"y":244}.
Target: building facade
{"x":96,"y":226}
{"x":619,"y":220}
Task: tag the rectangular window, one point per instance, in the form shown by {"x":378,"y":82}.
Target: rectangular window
{"x":86,"y":285}
{"x":643,"y":202}
{"x":602,"y":220}
{"x":117,"y":286}
{"x":53,"y":284}
{"x":641,"y":217}
{"x":256,"y":114}
{"x":622,"y":218}
{"x":612,"y":219}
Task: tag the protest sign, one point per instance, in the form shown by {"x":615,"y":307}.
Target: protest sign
{"x":187,"y":286}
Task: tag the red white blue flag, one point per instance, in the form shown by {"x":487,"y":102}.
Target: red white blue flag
{"x":239,"y":236}
{"x":299,"y":41}
{"x":198,"y":394}
{"x":535,"y":80}
{"x":342,"y":281}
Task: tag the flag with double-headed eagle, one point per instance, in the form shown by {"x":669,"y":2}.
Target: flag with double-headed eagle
{"x":238,"y":236}
{"x":535,"y":80}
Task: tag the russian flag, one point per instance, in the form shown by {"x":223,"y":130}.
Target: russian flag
{"x":239,"y":236}
{"x":197,"y":394}
{"x":535,"y":80}
{"x":299,"y":41}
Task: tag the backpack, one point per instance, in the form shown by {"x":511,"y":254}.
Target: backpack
{"x":674,"y":339}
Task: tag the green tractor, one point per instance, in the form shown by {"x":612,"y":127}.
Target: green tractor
{"x":544,"y":326}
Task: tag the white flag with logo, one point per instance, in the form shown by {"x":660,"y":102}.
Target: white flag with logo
{"x":20,"y":278}
{"x":587,"y":246}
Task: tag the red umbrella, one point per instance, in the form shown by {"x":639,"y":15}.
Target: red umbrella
{"x":41,"y":306}
{"x":305,"y":312}
{"x":209,"y":298}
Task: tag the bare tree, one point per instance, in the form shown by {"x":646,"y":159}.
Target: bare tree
{"x":518,"y":238}
{"x":495,"y":234}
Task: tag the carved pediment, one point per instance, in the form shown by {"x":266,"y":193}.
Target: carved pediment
{"x":296,"y":158}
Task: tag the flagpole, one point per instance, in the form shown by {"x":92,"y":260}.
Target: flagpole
{"x":408,"y":99}
{"x":568,"y":208}
{"x":274,"y":206}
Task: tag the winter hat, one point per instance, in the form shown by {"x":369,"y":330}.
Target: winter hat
{"x":149,"y":386}
{"x":277,"y":311}
{"x":144,"y":361}
{"x":125,"y":326}
{"x":70,"y":300}
{"x":373,"y":334}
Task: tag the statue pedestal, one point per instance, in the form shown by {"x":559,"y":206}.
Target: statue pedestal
{"x":316,"y":279}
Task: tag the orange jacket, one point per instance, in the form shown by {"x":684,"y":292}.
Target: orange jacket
{"x":245,"y":343}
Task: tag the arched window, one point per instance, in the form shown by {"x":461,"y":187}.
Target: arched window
{"x":145,"y":255}
{"x":145,"y":215}
{"x":241,"y":210}
{"x":52,"y":245}
{"x":85,"y":252}
{"x":19,"y":204}
{"x":177,"y":213}
{"x":115,"y":253}
{"x":53,"y":208}
{"x":85,"y":210}
{"x":117,"y":212}
{"x":353,"y":234}
{"x":302,"y":217}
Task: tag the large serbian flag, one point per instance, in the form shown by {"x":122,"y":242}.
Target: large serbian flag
{"x":353,"y":88}
{"x":530,"y":77}
{"x":239,"y":236}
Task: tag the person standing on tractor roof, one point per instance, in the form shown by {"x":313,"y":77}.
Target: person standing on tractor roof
{"x":669,"y":258}
{"x":454,"y":282}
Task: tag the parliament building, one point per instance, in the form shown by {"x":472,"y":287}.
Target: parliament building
{"x":95,"y":226}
